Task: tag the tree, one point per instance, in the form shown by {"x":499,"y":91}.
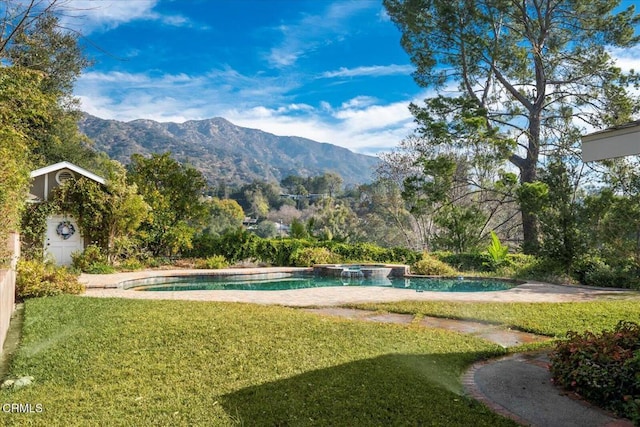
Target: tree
{"x":257,"y":198}
{"x":31,"y":38}
{"x":526,"y":73}
{"x":224,"y":215}
{"x":25,"y":111}
{"x":17,"y":16}
{"x":460,"y":228}
{"x":45,"y":47}
{"x":384,"y":217}
{"x":266,"y":229}
{"x":175,"y":193}
{"x":334,"y":221}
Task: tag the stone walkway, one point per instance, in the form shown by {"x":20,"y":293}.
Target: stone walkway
{"x":518,"y":387}
{"x":490,"y":332}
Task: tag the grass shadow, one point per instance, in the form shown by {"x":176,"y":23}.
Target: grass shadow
{"x":395,"y":389}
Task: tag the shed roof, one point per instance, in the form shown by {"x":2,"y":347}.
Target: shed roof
{"x":70,"y":166}
{"x":617,"y":141}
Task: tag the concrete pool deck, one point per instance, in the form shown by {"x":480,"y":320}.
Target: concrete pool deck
{"x":110,"y":286}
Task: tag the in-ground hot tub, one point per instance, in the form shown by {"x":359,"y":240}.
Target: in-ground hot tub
{"x":364,"y":271}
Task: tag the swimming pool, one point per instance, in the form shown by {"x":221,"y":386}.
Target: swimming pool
{"x":244,"y":283}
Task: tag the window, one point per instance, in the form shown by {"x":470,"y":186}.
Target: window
{"x":64,"y":175}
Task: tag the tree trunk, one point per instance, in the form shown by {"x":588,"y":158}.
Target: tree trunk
{"x":528,"y":174}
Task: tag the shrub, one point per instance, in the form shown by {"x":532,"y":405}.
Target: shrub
{"x":130,"y":264}
{"x":307,"y":257}
{"x":431,"y":266}
{"x":528,"y":267}
{"x":466,"y":261}
{"x":603,"y":368}
{"x":100,"y":268}
{"x":279,"y":251}
{"x":214,"y":262}
{"x":91,"y":258}
{"x":595,"y":271}
{"x":37,"y":279}
{"x":403,"y":255}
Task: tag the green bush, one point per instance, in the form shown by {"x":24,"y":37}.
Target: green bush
{"x":92,"y":258}
{"x":279,"y":251}
{"x":467,"y":261}
{"x":214,"y":262}
{"x":306,"y":257}
{"x":371,"y":252}
{"x":403,"y":255}
{"x":130,"y":264}
{"x":603,"y":368}
{"x":595,"y":271}
{"x":238,"y":245}
{"x":432,"y":266}
{"x":37,"y":279}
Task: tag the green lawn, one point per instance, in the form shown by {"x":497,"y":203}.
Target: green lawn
{"x":129,"y":362}
{"x":133,"y":362}
{"x":553,"y":319}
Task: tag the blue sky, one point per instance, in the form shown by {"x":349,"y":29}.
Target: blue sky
{"x":328,"y":70}
{"x":332,"y":71}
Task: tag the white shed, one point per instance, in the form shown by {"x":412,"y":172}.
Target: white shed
{"x":63,"y":236}
{"x":618,"y":141}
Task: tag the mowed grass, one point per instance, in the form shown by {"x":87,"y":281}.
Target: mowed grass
{"x":552,"y":319}
{"x":171,"y":363}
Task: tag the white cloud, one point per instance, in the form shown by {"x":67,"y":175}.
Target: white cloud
{"x":627,"y":58}
{"x":371,"y":71}
{"x":362,"y":124}
{"x":87,"y":16}
{"x":311,"y":31}
{"x":368,"y":129}
{"x":358,"y":102}
{"x":383,"y":16}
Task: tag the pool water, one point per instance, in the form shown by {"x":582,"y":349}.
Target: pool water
{"x":239,"y":283}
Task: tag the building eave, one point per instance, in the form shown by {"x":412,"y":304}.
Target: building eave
{"x":66,"y":165}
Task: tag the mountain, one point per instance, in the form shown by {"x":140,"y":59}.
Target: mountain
{"x":227,"y":153}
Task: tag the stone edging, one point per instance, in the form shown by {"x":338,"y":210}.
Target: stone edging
{"x":471,"y":389}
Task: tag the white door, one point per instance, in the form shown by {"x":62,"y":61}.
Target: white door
{"x":63,"y":238}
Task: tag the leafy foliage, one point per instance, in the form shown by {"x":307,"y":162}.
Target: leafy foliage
{"x":431,"y":266}
{"x":33,"y":229}
{"x":108,"y":215}
{"x":25,"y":114}
{"x":497,"y":250}
{"x":224,"y":215}
{"x":480,"y":262}
{"x":594,"y":270}
{"x":524,"y":71}
{"x":174,"y":193}
{"x":38,"y":279}
{"x":460,"y":228}
{"x":91,"y":260}
{"x":603,"y":368}
{"x":214,"y":262}
{"x":306,"y":257}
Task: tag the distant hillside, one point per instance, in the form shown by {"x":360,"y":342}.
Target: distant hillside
{"x":228,"y":153}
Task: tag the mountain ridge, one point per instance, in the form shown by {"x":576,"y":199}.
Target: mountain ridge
{"x":225,"y":152}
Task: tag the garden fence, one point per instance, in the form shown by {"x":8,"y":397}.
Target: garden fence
{"x":8,"y":287}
